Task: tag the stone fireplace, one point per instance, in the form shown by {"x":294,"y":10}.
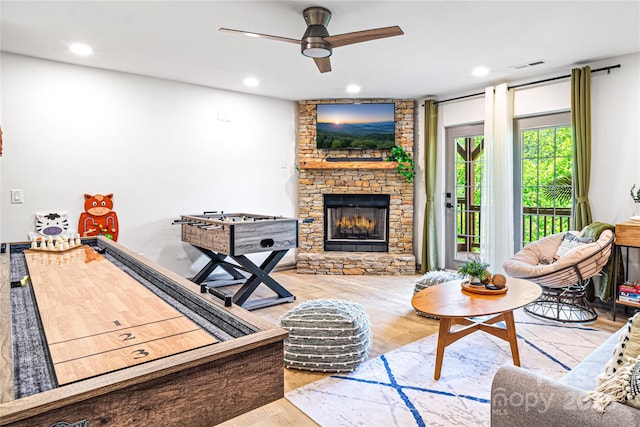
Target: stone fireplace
{"x":367,"y":225}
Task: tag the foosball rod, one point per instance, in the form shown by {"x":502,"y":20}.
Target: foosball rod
{"x":202,"y":225}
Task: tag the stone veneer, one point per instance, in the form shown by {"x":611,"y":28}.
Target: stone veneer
{"x":366,"y":179}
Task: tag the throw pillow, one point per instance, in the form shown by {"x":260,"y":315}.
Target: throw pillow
{"x":570,"y":241}
{"x":627,"y":349}
{"x":623,"y":387}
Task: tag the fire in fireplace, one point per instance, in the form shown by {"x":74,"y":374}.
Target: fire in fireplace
{"x":356,"y":222}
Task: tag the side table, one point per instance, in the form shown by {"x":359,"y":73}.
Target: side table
{"x":627,"y":236}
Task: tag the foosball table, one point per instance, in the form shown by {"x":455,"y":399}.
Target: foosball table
{"x":236,"y":235}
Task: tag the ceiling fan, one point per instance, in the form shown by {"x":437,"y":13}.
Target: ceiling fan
{"x":316,"y":42}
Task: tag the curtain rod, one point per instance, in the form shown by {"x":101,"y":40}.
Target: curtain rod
{"x":607,"y":69}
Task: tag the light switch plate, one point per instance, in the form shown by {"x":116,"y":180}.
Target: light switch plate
{"x":17,"y":196}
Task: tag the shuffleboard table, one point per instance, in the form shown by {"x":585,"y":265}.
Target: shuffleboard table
{"x":101,"y":336}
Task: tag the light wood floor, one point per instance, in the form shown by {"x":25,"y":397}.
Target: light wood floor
{"x":387,"y":300}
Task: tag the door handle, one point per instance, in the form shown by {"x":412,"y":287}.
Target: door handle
{"x":449,"y":205}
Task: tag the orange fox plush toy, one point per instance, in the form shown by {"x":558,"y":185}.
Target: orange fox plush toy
{"x":99,"y":217}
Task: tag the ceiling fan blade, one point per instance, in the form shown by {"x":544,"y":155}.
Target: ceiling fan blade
{"x":324,"y":64}
{"x":363,"y":36}
{"x":258,"y":35}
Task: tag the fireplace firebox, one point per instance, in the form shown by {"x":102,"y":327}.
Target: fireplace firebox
{"x":356,"y":222}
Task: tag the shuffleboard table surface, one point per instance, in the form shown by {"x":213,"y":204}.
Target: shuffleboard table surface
{"x":98,"y":319}
{"x":203,"y":386}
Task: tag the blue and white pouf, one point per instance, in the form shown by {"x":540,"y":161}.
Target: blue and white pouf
{"x":433,"y":278}
{"x":326,"y":336}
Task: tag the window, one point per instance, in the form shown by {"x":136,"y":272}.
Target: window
{"x":543,"y":177}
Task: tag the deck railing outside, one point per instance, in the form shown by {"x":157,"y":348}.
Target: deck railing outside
{"x":541,"y":222}
{"x":536,"y":224}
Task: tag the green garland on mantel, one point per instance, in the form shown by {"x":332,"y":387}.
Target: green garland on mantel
{"x":405,"y":162}
{"x":636,"y":196}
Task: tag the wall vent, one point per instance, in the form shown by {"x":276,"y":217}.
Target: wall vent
{"x":528,"y":64}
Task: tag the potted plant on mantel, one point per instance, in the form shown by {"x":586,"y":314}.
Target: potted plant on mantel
{"x":635,"y":196}
{"x":476,"y":271}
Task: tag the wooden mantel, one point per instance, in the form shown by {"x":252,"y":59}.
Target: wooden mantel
{"x":348,"y":165}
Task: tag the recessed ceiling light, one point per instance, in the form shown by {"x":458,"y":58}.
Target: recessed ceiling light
{"x":81,"y":49}
{"x":480,"y":71}
{"x":251,"y":82}
{"x":353,"y":88}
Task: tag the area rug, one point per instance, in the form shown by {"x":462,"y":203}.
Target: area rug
{"x":398,"y":389}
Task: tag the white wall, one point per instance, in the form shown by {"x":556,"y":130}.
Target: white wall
{"x":157,"y":145}
{"x":160,"y":148}
{"x":615,"y":101}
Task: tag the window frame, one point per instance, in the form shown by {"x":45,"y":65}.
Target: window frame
{"x":546,"y":120}
{"x":473,"y":129}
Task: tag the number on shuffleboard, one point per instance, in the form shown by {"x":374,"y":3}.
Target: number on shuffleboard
{"x":127,"y":336}
{"x":140,"y":353}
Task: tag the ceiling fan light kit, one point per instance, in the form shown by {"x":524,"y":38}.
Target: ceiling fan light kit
{"x":316,"y":42}
{"x":316,"y":50}
{"x":313,"y":44}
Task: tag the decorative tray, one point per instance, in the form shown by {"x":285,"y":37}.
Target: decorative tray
{"x":466,"y":286}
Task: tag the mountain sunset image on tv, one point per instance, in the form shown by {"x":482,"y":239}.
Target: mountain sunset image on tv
{"x":355,"y":126}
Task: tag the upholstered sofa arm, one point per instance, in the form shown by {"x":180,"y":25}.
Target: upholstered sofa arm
{"x":521,"y":398}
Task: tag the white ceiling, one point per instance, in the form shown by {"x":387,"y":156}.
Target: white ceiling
{"x":443,"y":41}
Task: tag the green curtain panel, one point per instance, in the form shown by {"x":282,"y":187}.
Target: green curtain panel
{"x":430,"y":247}
{"x":581,"y":127}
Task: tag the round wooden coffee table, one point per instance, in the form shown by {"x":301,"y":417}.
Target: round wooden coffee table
{"x":455,"y":306}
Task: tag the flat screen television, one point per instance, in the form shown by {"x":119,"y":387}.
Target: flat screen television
{"x":355,"y":126}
